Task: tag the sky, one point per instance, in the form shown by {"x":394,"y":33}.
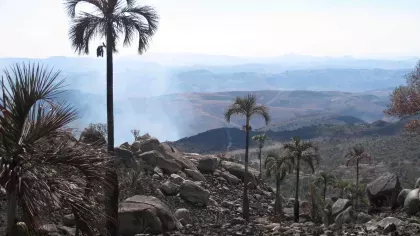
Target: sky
{"x":245,"y":28}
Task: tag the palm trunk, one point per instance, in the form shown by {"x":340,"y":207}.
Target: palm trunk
{"x":112,"y":206}
{"x":325,"y":189}
{"x":277,"y":204}
{"x":245,"y":207}
{"x":296,"y":204}
{"x":357,"y":184}
{"x":259,"y":156}
{"x":11,"y":212}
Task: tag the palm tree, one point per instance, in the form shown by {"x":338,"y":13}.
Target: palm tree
{"x":111,"y":18}
{"x":324,"y":179}
{"x":261,"y":141}
{"x":306,"y":152}
{"x":277,"y":166}
{"x":247,"y":106}
{"x":355,"y":156}
{"x":343,"y":186}
{"x":39,"y":161}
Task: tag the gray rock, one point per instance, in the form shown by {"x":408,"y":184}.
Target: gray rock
{"x":68,"y":220}
{"x":194,"y":193}
{"x":384,"y":187}
{"x":363,"y":218}
{"x":412,"y":202}
{"x":141,"y":214}
{"x":339,"y":206}
{"x":177,"y":179}
{"x":155,"y":158}
{"x":231,"y":179}
{"x":238,"y":170}
{"x":195,"y":175}
{"x":208,"y":164}
{"x":184,"y":215}
{"x":345,"y":217}
{"x":125,"y":157}
{"x":388,"y":220}
{"x":169,"y":189}
{"x":402,"y":195}
{"x":227,"y":204}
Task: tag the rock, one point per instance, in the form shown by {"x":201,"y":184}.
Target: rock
{"x":140,"y":214}
{"x":125,"y":157}
{"x":48,"y":229}
{"x":384,"y":189}
{"x":388,"y":220}
{"x":68,"y":220}
{"x":151,"y":144}
{"x":345,"y":217}
{"x":169,"y":189}
{"x":208,"y":164}
{"x":194,"y":193}
{"x":184,"y":215}
{"x":155,"y":158}
{"x":231,"y":179}
{"x":238,"y":170}
{"x":227,"y":204}
{"x":237,"y":221}
{"x":339,"y":206}
{"x":417,"y":184}
{"x":401,"y":196}
{"x":177,"y":179}
{"x":391,"y":227}
{"x":195,"y":175}
{"x":363,"y":218}
{"x":412,"y":202}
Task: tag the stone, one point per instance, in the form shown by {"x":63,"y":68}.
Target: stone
{"x":363,"y":218}
{"x":384,"y":190}
{"x":339,"y":206}
{"x":194,"y":193}
{"x":48,"y":229}
{"x":125,"y":157}
{"x":195,"y":175}
{"x":169,"y":189}
{"x":345,"y":217}
{"x":208,"y":164}
{"x":155,"y":158}
{"x":142,"y":214}
{"x":184,"y":215}
{"x":401,"y":196}
{"x":412,"y":202}
{"x":231,"y":179}
{"x":69,"y":220}
{"x":176,"y":179}
{"x":238,"y":170}
{"x":227,"y":204}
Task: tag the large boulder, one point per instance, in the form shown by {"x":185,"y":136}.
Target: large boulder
{"x":412,"y":202}
{"x":238,"y":170}
{"x":194,"y":193}
{"x":140,"y":214}
{"x":208,"y":164}
{"x":401,"y":197}
{"x":339,"y":206}
{"x":165,"y":163}
{"x":345,"y":217}
{"x":195,"y":175}
{"x":384,"y":191}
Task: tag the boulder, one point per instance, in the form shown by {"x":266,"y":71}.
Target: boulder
{"x":194,"y":193}
{"x":169,"y":189}
{"x":155,"y":158}
{"x":384,"y":191}
{"x":208,"y":164}
{"x":140,"y":214}
{"x":195,"y":175}
{"x":339,"y":206}
{"x":238,"y":170}
{"x":146,"y":145}
{"x":401,"y":197}
{"x":231,"y":179}
{"x":412,"y":202}
{"x":176,"y":179}
{"x":345,"y":217}
{"x":69,"y":220}
{"x":125,"y":157}
{"x":183,"y":215}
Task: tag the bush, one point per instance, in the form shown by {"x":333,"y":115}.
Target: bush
{"x":95,"y":134}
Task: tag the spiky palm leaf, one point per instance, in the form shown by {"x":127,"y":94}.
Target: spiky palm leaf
{"x":324,"y":180}
{"x":38,"y":164}
{"x":260,"y":139}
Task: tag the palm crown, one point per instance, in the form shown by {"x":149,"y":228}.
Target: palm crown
{"x":302,"y":150}
{"x":277,"y":166}
{"x":260,"y":138}
{"x":123,"y":17}
{"x":247,"y":107}
{"x":356,"y":155}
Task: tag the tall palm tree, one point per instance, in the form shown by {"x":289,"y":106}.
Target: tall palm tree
{"x":277,"y":166}
{"x":323,"y":180}
{"x":247,"y":106}
{"x":306,"y":152}
{"x":261,"y":141}
{"x":110,"y":19}
{"x":40,"y":163}
{"x":355,"y":156}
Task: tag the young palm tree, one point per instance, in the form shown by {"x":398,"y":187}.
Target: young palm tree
{"x":355,"y":156}
{"x":247,"y":106}
{"x":277,"y":166}
{"x":306,"y":152}
{"x":39,"y":161}
{"x":343,"y":186}
{"x":110,"y":19}
{"x":323,"y":180}
{"x":261,"y":141}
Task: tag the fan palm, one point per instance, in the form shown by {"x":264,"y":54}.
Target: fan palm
{"x":261,"y":141}
{"x":110,"y":19}
{"x":247,"y":106}
{"x":40,"y":164}
{"x":323,"y":180}
{"x":355,"y":156}
{"x":306,"y":152}
{"x":277,"y":166}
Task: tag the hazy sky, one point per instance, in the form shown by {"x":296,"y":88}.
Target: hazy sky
{"x":361,"y":28}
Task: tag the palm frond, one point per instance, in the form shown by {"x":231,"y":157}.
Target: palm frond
{"x":234,"y":109}
{"x":83,"y":29}
{"x":71,"y":5}
{"x":263,"y":112}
